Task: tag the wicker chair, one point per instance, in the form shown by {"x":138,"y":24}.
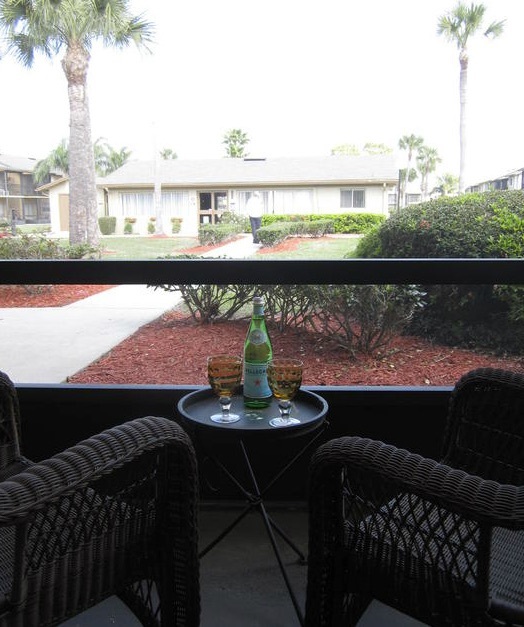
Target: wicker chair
{"x":115,"y":514}
{"x":441,"y":542}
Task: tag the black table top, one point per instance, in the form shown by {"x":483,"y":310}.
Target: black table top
{"x":308,"y":407}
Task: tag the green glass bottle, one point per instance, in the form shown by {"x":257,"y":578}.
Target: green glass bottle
{"x":257,"y":354}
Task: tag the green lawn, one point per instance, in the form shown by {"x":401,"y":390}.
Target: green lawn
{"x":334,"y":248}
{"x":132,"y":247}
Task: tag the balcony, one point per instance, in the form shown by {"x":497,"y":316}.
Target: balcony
{"x":56,"y":416}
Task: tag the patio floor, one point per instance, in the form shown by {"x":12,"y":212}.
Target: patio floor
{"x":241,"y":584}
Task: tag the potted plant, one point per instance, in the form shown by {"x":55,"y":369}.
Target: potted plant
{"x":128,"y":225}
{"x":176,"y":224}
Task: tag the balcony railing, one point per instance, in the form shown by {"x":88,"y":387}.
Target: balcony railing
{"x":58,"y":415}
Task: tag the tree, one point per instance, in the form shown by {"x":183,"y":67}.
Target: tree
{"x":235,"y":142}
{"x":427,"y":160}
{"x":107,"y":160}
{"x":348,"y":150}
{"x":447,"y":184}
{"x":48,"y":27}
{"x":167,"y":154}
{"x":458,"y":26}
{"x":411,"y":143}
{"x":377,"y":149}
{"x":56,"y":161}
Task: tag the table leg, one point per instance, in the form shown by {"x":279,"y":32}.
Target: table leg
{"x":269,"y":528}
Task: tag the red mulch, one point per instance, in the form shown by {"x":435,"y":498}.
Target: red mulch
{"x":173,"y":350}
{"x":46,"y":295}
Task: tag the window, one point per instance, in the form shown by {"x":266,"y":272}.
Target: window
{"x":352,"y":198}
{"x":293,"y":201}
{"x":134,"y":204}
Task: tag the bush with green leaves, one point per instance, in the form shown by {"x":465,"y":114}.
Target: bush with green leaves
{"x":472,"y":225}
{"x":38,"y":246}
{"x":362,"y":318}
{"x":176,"y":225}
{"x":347,"y":223}
{"x":242,"y":221}
{"x":480,"y":225}
{"x":107,"y":224}
{"x":277,"y":232}
{"x":211,"y":234}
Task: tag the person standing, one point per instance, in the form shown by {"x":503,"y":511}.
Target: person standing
{"x":254,"y":211}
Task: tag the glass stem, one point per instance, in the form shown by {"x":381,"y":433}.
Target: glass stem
{"x":285,"y":409}
{"x":225,"y":402}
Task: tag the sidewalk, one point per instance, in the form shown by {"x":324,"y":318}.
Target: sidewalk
{"x":48,"y":344}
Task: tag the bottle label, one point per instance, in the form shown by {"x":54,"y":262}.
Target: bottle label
{"x":255,"y":380}
{"x":257,"y":337}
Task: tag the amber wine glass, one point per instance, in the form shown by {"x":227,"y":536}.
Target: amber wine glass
{"x":224,"y":373}
{"x":284,"y":376}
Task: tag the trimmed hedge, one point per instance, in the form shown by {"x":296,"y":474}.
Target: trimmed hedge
{"x":480,"y":225}
{"x":279,"y":231}
{"x":347,"y":223}
{"x":211,"y":234}
{"x":107,"y":225}
{"x":472,"y":225}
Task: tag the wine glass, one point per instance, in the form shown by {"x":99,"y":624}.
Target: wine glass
{"x":224,"y":373}
{"x":284,"y":375}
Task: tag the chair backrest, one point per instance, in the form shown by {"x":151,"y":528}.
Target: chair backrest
{"x":485,"y":428}
{"x":9,"y":423}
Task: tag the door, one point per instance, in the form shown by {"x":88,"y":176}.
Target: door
{"x":211,"y":205}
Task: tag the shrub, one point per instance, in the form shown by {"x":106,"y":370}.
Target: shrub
{"x":37,"y":246}
{"x":278,"y":231}
{"x":230,"y":217}
{"x":210,"y":303}
{"x":176,"y":225}
{"x":275,"y":233}
{"x":128,"y":227}
{"x":107,"y":225}
{"x":472,"y":225}
{"x":211,"y":234}
{"x":469,"y":226}
{"x":362,"y":318}
{"x":151,"y":226}
{"x":348,"y":223}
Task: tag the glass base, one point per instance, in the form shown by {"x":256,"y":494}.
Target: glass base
{"x":225,"y":418}
{"x":284,"y":422}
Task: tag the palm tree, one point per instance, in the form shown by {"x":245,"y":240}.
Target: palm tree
{"x":56,"y":161}
{"x":107,"y":159}
{"x":168,"y":154}
{"x":427,"y":159}
{"x":48,"y":26}
{"x":411,"y":143}
{"x":346,"y":150}
{"x":235,"y":142}
{"x":447,"y":184}
{"x":458,"y":26}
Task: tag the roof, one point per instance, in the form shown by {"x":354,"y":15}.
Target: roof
{"x":17,"y":164}
{"x":333,"y":170}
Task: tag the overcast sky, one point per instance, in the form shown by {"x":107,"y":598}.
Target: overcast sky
{"x":299,"y":77}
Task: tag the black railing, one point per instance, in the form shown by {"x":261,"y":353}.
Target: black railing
{"x":284,"y":272}
{"x":58,"y":415}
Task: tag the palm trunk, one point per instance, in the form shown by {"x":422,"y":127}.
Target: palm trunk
{"x":83,"y":209}
{"x":463,"y":88}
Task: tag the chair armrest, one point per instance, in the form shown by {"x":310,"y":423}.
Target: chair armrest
{"x":473,"y":497}
{"x":84,"y":464}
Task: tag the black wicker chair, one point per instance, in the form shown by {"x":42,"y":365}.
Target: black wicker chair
{"x":441,"y":542}
{"x":113,"y":515}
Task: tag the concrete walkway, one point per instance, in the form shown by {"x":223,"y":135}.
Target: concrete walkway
{"x":49,"y":344}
